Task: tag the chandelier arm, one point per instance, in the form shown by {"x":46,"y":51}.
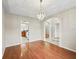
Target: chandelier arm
{"x":41,"y":14}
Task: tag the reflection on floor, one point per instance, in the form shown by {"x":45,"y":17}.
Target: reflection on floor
{"x":38,"y":50}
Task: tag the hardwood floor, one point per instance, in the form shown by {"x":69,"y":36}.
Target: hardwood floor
{"x":38,"y":50}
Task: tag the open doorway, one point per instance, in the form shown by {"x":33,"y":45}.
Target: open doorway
{"x":52,"y":31}
{"x":24,"y":32}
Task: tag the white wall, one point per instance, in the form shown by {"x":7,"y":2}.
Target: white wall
{"x":3,"y":31}
{"x":34,"y":29}
{"x":11,"y":33}
{"x":68,"y":28}
{"x":12,"y":27}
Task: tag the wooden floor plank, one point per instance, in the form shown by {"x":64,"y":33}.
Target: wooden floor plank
{"x":38,"y":50}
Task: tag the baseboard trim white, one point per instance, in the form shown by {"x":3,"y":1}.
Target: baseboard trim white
{"x":43,"y":40}
{"x":67,"y":48}
{"x":34,"y":40}
{"x":12,"y":45}
{"x":3,"y":52}
{"x":63,"y":47}
{"x":9,"y":45}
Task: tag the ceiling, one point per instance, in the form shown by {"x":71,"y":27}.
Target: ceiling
{"x":31,"y":8}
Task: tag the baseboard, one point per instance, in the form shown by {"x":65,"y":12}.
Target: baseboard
{"x":68,"y":48}
{"x":42,"y":40}
{"x":12,"y":45}
{"x":3,"y":52}
{"x":34,"y":40}
{"x":63,"y":47}
{"x":9,"y":45}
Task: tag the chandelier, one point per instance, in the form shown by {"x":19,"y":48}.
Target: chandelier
{"x":41,"y":15}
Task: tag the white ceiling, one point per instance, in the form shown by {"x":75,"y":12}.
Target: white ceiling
{"x":31,"y":7}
